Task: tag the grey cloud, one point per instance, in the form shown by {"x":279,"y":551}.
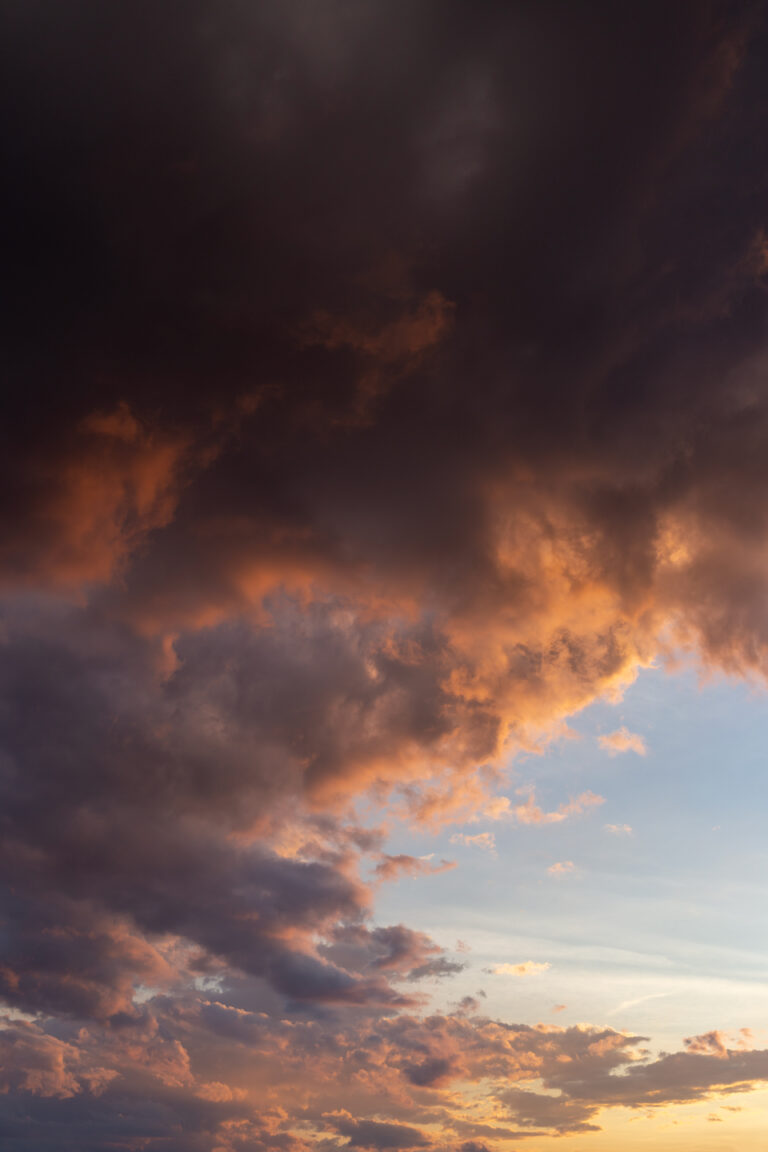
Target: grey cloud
{"x":375,"y":1134}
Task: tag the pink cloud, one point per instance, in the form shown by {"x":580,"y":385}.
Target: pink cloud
{"x":393,"y":868}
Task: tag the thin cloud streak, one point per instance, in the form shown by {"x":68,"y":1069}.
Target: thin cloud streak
{"x":626,"y":1004}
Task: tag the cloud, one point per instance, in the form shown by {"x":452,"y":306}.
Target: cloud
{"x":526,"y":968}
{"x":622,"y":740}
{"x":561,"y":868}
{"x":85,"y":507}
{"x":394,"y":867}
{"x":396,"y":950}
{"x":625,"y":1004}
{"x":313,"y":502}
{"x":42,"y":1065}
{"x":672,"y":1078}
{"x":376,"y":1135}
{"x":712,"y":1043}
{"x":535,"y":1110}
{"x":485,"y":840}
{"x":530,"y":813}
{"x":619,"y":829}
{"x":142,"y":1069}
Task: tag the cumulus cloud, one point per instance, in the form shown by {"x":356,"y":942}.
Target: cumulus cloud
{"x":41,"y":1065}
{"x":561,"y":868}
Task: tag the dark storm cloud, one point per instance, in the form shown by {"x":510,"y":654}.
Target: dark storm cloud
{"x":220,"y":180}
{"x":261,"y":219}
{"x":400,"y":312}
{"x":88,"y":844}
{"x":384,"y":379}
{"x":119,"y":805}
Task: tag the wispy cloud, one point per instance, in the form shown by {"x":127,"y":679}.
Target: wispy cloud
{"x":526,"y":968}
{"x":485,"y":840}
{"x":627,"y":1004}
{"x":529,"y":811}
{"x":622,"y":740}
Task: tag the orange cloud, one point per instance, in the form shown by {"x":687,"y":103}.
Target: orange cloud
{"x":531,"y":813}
{"x":91,"y":499}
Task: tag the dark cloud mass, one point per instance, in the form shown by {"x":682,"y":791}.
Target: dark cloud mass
{"x":385,"y":382}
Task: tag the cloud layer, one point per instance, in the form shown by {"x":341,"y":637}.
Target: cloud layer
{"x":386,"y":386}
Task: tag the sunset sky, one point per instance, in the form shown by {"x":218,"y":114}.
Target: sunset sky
{"x":384,"y":576}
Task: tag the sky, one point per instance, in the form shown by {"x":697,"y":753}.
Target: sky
{"x":383,"y":576}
